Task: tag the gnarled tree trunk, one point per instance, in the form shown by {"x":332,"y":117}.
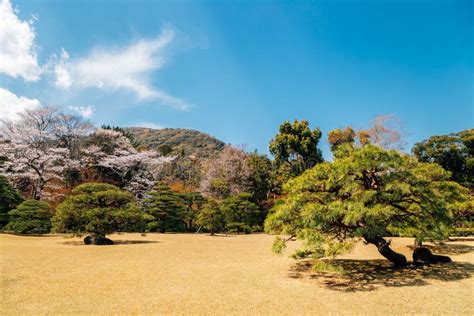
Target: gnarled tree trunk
{"x":383,"y":247}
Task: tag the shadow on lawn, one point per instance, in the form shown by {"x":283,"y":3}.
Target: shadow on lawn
{"x":116,"y":242}
{"x":368,"y":275}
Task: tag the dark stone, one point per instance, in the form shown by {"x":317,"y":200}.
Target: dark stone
{"x":88,"y":240}
{"x":425,"y":256}
{"x":97,"y":240}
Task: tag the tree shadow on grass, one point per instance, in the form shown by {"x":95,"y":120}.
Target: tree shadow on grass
{"x":369,"y":275}
{"x":116,"y":242}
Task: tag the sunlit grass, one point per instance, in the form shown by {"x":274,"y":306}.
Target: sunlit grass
{"x":200,"y":274}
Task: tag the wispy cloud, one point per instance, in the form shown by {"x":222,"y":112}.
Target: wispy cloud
{"x":85,"y":111}
{"x":11,"y":104}
{"x":17,"y":45}
{"x":127,"y":68}
{"x":149,"y":125}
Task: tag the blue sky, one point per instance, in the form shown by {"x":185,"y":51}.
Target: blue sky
{"x":237,"y":69}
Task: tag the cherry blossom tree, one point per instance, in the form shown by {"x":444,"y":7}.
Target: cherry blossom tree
{"x":36,"y":156}
{"x":33,"y":169}
{"x":113,"y":156}
{"x":228,"y":174}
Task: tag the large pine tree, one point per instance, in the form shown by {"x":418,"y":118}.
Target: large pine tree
{"x":368,"y":194}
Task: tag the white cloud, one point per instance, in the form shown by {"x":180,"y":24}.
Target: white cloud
{"x":127,"y":68}
{"x":149,"y":125}
{"x":85,"y":111}
{"x":17,"y":45}
{"x":11,"y":104}
{"x":63,"y":79}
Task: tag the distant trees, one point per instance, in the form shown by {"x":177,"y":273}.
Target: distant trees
{"x":241,"y":214}
{"x":47,"y":152}
{"x":187,"y":170}
{"x":211,"y":217}
{"x":9,"y":199}
{"x":368,"y":194}
{"x":261,"y":182}
{"x":183,"y":142}
{"x":340,"y":137}
{"x":98,"y":209}
{"x":165,"y":207}
{"x":192,"y":205}
{"x":135,"y":143}
{"x":385,"y":132}
{"x":114,"y":158}
{"x":296,"y":146}
{"x":454,"y":152}
{"x":30,"y":217}
{"x":227,"y":175}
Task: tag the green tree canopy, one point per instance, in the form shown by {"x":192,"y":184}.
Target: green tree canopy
{"x":454,"y":152}
{"x":192,"y":203}
{"x":340,"y":136}
{"x":211,"y":217}
{"x":241,"y":214}
{"x":261,"y":177}
{"x":166,"y":208}
{"x":9,"y":199}
{"x":30,"y":217}
{"x":99,"y":209}
{"x":297,"y":146}
{"x":368,"y":194}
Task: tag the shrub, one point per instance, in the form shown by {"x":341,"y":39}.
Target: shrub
{"x":30,"y":217}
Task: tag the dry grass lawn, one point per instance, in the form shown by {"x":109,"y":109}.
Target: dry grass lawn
{"x":199,"y":274}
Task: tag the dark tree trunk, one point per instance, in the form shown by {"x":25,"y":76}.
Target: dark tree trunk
{"x":383,"y":247}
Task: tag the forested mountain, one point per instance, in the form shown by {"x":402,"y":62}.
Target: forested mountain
{"x":178,"y":139}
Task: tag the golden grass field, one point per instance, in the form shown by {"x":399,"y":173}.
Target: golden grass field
{"x":200,"y":274}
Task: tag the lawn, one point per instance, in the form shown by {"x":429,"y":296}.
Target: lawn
{"x":200,"y":274}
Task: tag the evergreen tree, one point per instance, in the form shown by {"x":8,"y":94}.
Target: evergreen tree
{"x":296,"y":146}
{"x":30,"y":217}
{"x":241,"y":214}
{"x":454,"y":152}
{"x":368,"y":194}
{"x":211,"y":217}
{"x":9,"y":199}
{"x":192,"y":203}
{"x":99,"y":209}
{"x":166,"y":208}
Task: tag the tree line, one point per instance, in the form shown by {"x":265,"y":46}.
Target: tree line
{"x":81,"y":179}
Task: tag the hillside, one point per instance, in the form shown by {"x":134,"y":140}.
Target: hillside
{"x":191,"y":141}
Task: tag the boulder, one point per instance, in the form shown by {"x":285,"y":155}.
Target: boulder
{"x":424,"y":255}
{"x":97,"y":240}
